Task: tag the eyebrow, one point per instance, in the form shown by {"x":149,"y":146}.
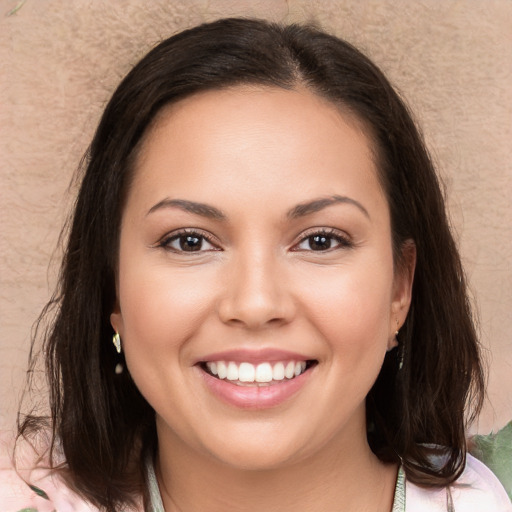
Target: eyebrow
{"x":202,"y":209}
{"x":301,"y":210}
{"x":316,"y":205}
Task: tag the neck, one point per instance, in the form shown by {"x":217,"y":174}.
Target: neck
{"x":346,"y":476}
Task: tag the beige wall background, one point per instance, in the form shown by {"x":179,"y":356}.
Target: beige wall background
{"x":61,"y":59}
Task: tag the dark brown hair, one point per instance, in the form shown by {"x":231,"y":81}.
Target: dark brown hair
{"x":99,"y":419}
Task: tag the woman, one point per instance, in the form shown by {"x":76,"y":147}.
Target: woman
{"x":261,"y":304}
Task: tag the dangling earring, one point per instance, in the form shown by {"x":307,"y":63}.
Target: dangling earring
{"x":116,"y":340}
{"x":401,"y":348}
{"x":393,"y":342}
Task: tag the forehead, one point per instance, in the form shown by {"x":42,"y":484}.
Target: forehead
{"x":262,"y":137}
{"x":261,"y":107}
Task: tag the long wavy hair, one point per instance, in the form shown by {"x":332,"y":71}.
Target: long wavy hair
{"x":99,"y":421}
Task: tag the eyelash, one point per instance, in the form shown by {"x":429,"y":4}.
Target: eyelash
{"x":343,"y":241}
{"x":165,"y":243}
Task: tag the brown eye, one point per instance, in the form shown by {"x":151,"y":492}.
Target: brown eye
{"x":190,"y":243}
{"x":323,"y":241}
{"x":187,"y":242}
{"x":319,"y":242}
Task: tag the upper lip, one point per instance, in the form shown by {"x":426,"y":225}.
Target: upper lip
{"x":254,"y":356}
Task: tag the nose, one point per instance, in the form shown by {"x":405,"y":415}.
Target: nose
{"x":256,"y":294}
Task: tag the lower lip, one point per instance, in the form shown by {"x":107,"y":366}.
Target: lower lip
{"x":254,"y":397}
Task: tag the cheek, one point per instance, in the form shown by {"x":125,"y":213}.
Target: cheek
{"x":162,"y":308}
{"x":351,"y":308}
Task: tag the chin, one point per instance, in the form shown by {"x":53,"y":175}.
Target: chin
{"x":259,"y":452}
{"x":256,"y":460}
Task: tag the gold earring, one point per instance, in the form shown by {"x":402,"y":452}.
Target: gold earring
{"x":116,"y":340}
{"x":401,"y":348}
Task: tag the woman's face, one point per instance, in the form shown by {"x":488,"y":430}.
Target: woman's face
{"x":256,"y":290}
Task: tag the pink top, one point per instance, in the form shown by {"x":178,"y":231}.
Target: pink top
{"x":477,"y":490}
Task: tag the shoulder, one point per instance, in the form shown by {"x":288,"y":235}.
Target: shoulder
{"x":476,"y":490}
{"x":39,"y":493}
{"x":16,"y":495}
{"x":33,"y":490}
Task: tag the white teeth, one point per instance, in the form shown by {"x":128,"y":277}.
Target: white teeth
{"x":262,"y":373}
{"x":232,"y":371}
{"x":290,"y":370}
{"x":222,"y":370}
{"x":212,"y":367}
{"x":278,"y":371}
{"x":246,"y":372}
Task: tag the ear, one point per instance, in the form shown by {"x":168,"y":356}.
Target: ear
{"x":402,"y":289}
{"x":116,"y":318}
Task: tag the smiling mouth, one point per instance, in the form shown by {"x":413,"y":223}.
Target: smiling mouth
{"x":262,"y":374}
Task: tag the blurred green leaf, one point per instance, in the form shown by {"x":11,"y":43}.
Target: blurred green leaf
{"x":39,"y":492}
{"x":495,"y":451}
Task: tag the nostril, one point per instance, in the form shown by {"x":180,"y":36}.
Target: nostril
{"x":254,"y":301}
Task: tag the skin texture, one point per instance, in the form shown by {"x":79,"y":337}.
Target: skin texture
{"x":254,"y":154}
